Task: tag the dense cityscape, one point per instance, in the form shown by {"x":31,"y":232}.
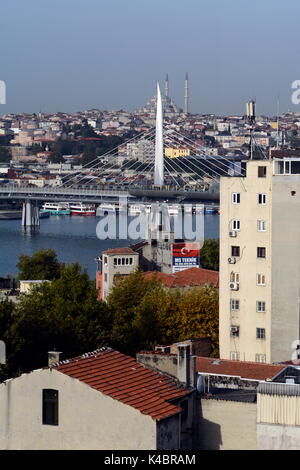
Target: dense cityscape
{"x":149,"y":269}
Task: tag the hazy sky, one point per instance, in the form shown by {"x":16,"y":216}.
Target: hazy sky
{"x":70,"y":55}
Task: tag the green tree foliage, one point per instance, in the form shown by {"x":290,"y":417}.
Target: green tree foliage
{"x":88,"y":149}
{"x":42,"y":265}
{"x":144,"y":313}
{"x":6,"y":320}
{"x":209,"y":254}
{"x":64,"y":315}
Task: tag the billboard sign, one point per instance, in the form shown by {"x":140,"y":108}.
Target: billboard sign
{"x":185,"y":255}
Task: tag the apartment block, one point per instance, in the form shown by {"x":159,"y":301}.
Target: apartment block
{"x":260,"y":261}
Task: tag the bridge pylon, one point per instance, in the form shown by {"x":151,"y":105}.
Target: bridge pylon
{"x":30,"y":214}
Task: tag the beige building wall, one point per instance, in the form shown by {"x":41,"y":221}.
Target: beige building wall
{"x":285,"y":266}
{"x":113,"y":264}
{"x":227,"y":425}
{"x":278,"y":421}
{"x":281,"y":265}
{"x":247,"y":265}
{"x":88,"y":419}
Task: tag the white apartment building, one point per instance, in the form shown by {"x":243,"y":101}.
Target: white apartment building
{"x":260,"y":261}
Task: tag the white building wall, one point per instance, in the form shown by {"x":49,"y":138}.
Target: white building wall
{"x":88,"y":419}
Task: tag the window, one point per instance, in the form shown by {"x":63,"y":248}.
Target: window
{"x":236,"y":225}
{"x":261,"y":225}
{"x":50,"y":407}
{"x":262,"y":198}
{"x":235,"y":198}
{"x":105,"y":277}
{"x":234,"y":304}
{"x":260,"y":358}
{"x":261,"y":252}
{"x":105,"y":259}
{"x":260,"y":306}
{"x":234,"y":356}
{"x":130,"y":260}
{"x":235,"y":277}
{"x":115,"y":261}
{"x":262,"y":171}
{"x":235,"y":331}
{"x":260,"y":333}
{"x":261,"y":280}
{"x":235,"y":251}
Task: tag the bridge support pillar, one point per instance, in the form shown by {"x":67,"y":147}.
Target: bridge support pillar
{"x":30,"y":214}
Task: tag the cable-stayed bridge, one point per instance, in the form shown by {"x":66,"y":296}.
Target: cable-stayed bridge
{"x":147,"y":174}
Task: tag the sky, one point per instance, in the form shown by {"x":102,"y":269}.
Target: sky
{"x":73,"y":55}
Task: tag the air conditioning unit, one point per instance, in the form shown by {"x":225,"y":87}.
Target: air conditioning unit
{"x":232,"y":233}
{"x":231,"y":260}
{"x":234,"y":286}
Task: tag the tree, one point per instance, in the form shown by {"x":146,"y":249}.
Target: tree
{"x":145,"y":313}
{"x":123,"y":301}
{"x":6,"y":320}
{"x":64,"y":315}
{"x":209,"y":254}
{"x":41,"y":265}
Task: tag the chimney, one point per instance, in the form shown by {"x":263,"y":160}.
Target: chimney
{"x":53,"y":357}
{"x":183,"y":364}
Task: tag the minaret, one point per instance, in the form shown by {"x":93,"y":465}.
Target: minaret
{"x":159,"y":145}
{"x":167,"y":86}
{"x":186,"y":95}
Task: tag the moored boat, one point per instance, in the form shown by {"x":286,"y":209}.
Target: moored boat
{"x":107,"y":207}
{"x":82,"y":209}
{"x":56,"y":208}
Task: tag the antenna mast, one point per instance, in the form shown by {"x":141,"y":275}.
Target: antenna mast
{"x":250,"y":111}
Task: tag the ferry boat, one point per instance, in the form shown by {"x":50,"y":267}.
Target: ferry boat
{"x":136,"y":209}
{"x":82,"y":209}
{"x":108,"y":207}
{"x":174,"y":209}
{"x":56,"y":208}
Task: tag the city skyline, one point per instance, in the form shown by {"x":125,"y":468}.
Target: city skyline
{"x":109,"y":55}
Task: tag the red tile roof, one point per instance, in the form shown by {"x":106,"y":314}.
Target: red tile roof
{"x":187,"y":278}
{"x":246,"y":370}
{"x":120,"y":251}
{"x":123,"y":379}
